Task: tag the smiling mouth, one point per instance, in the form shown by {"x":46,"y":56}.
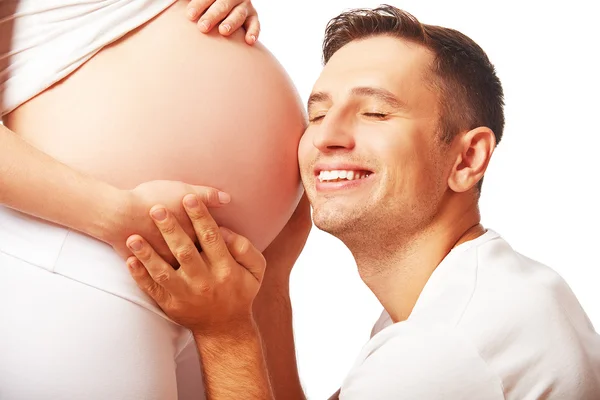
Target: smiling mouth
{"x":342,"y":175}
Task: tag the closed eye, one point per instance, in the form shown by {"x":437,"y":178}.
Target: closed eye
{"x":375,"y":115}
{"x":316,"y":119}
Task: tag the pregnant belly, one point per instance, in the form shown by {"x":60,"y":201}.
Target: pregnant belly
{"x":168,"y":102}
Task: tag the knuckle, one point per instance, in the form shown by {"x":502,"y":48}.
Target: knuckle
{"x":210,"y":196}
{"x":169,"y":228}
{"x":144,"y":255}
{"x":210,"y":235}
{"x":225,"y":275}
{"x":162,"y":277}
{"x":223,"y":7}
{"x":154,"y":292}
{"x":203,"y":288}
{"x":184,"y":253}
{"x":242,"y":14}
{"x":198,"y":213}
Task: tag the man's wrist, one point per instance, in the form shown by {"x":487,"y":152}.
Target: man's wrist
{"x":240,"y":330}
{"x":239,"y":338}
{"x":233,"y":361}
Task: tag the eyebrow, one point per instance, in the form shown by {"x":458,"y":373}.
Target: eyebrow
{"x":317,"y":97}
{"x":363,"y":91}
{"x":380,"y":94}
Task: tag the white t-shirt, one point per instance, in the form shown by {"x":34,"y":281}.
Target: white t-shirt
{"x":490,"y":324}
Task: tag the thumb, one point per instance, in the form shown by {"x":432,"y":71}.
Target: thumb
{"x":244,"y":253}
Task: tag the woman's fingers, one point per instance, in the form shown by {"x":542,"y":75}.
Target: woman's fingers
{"x":252,"y":26}
{"x":234,"y":20}
{"x":229,"y":15}
{"x":197,"y":7}
{"x":212,"y":197}
{"x":216,"y":13}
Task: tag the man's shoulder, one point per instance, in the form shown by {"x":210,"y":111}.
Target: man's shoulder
{"x":414,"y":361}
{"x":512,"y":316}
{"x":511,"y":291}
{"x":527,"y":324}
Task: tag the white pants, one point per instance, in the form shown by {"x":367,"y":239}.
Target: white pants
{"x":74,"y":325}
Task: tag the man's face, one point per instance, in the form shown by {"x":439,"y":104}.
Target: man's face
{"x":370,"y":159}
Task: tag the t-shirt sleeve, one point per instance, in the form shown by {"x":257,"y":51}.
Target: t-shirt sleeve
{"x":432,"y":367}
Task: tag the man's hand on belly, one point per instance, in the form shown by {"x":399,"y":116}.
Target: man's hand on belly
{"x":230,"y":15}
{"x":133,"y":216}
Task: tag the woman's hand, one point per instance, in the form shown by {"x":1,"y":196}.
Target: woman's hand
{"x":230,"y":15}
{"x":130,"y":214}
{"x":212,"y":291}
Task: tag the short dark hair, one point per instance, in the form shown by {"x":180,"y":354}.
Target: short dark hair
{"x":471,"y":94}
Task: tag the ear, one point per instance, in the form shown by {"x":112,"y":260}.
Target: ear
{"x":473,"y":152}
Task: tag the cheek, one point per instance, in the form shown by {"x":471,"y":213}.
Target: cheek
{"x":305,"y":153}
{"x":305,"y":147}
{"x":409,"y":166}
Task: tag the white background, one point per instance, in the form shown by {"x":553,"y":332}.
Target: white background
{"x":542,"y":188}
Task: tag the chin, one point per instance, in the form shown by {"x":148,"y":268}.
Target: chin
{"x":334,"y":223}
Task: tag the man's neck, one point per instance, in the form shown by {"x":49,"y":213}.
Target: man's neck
{"x":397,"y":273}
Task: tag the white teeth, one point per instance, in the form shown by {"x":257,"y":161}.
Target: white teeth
{"x":342,"y":174}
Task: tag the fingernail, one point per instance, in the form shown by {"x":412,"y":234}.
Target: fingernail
{"x":136,"y":245}
{"x":192,"y":12}
{"x":159,"y":214}
{"x":224,"y":198}
{"x":227,"y":27}
{"x":190,"y":200}
{"x":253,"y":38}
{"x":135,"y":264}
{"x":204,"y":25}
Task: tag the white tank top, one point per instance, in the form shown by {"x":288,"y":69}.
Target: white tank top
{"x":43,"y":41}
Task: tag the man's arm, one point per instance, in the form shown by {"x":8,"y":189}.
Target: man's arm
{"x":272,"y":306}
{"x":215,"y":295}
{"x":273,"y":315}
{"x":211,"y":294}
{"x":233,"y":364}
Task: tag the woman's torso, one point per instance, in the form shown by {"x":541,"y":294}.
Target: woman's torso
{"x":169,"y":102}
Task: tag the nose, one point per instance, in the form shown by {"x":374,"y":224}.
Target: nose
{"x":333,"y":134}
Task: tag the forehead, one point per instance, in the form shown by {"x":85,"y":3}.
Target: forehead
{"x":397,"y":65}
